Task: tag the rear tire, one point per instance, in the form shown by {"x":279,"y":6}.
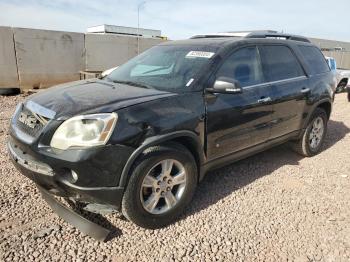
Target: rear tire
{"x":152,"y":167}
{"x":313,"y":137}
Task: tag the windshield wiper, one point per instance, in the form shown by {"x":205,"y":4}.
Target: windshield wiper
{"x":155,"y":70}
{"x":131,"y":83}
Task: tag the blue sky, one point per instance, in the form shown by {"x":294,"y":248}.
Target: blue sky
{"x":180,"y":19}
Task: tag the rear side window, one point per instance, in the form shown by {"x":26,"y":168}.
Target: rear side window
{"x":244,"y":66}
{"x":279,"y":63}
{"x":314,"y":59}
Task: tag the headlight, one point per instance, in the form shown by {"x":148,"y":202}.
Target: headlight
{"x":84,"y":131}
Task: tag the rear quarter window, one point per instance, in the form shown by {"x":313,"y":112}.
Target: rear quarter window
{"x":279,"y":63}
{"x":314,"y":59}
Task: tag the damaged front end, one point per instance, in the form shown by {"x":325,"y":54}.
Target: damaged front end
{"x":83,"y":176}
{"x":43,"y":176}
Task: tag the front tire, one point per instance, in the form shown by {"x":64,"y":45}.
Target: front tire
{"x":161,"y":185}
{"x":313,"y":137}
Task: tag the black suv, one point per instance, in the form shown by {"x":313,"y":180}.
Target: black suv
{"x":140,"y":139}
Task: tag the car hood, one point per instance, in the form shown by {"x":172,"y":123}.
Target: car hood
{"x":89,"y":96}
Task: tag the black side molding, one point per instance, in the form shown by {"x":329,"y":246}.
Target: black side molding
{"x":84,"y":225}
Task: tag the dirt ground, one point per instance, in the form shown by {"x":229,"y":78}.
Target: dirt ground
{"x":274,"y":206}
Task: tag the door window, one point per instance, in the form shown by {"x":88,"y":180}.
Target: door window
{"x":279,"y":63}
{"x":243,"y":66}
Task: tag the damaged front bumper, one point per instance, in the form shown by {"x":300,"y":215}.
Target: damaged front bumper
{"x":53,"y":184}
{"x":57,"y":181}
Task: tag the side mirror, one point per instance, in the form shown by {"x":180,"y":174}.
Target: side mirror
{"x":226,"y":85}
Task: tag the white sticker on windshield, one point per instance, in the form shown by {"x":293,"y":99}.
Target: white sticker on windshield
{"x":200,"y":54}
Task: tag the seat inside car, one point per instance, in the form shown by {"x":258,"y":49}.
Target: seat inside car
{"x":242,"y":74}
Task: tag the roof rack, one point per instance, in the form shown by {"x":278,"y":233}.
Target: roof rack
{"x":256,"y":34}
{"x":219,"y":35}
{"x":278,"y":36}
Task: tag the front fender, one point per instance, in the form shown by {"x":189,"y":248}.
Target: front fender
{"x":157,"y":140}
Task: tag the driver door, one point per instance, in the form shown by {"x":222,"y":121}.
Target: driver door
{"x":239,"y":121}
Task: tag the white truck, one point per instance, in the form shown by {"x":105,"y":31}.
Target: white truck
{"x":342,"y":75}
{"x":343,"y":79}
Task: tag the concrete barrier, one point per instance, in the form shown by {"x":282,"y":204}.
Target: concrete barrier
{"x":146,"y":43}
{"x":8,"y":67}
{"x":341,"y":56}
{"x":31,"y":58}
{"x":45,"y":58}
{"x":105,"y":51}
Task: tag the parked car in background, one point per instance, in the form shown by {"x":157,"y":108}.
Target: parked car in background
{"x":140,"y":139}
{"x":343,"y":78}
{"x":342,"y":75}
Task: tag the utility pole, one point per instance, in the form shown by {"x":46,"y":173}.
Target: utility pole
{"x":138,"y":25}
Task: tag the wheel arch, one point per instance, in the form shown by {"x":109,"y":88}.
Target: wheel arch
{"x":344,"y":80}
{"x":188,"y":139}
{"x":325,"y":104}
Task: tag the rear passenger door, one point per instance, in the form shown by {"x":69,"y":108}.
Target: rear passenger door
{"x":289,"y":86}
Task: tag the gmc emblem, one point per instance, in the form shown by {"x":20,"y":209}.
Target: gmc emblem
{"x":28,"y":120}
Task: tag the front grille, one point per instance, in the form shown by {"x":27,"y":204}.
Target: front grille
{"x":30,"y":123}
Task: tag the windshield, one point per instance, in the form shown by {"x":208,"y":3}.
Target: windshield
{"x":164,"y":67}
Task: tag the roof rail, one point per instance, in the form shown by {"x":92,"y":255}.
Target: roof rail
{"x":278,"y":36}
{"x":257,"y":34}
{"x":219,"y":35}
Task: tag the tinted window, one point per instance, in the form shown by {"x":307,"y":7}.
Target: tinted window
{"x":332,"y":63}
{"x":279,"y":63}
{"x":244,"y":66}
{"x":315,"y":59}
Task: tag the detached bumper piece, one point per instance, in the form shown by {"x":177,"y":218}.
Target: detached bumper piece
{"x":84,"y":225}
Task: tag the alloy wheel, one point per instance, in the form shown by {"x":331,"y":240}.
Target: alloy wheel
{"x":163,"y":186}
{"x":316,"y":133}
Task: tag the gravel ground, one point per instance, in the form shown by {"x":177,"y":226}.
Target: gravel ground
{"x":274,"y":206}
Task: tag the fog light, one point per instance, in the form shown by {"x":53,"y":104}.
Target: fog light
{"x":68,"y":175}
{"x":74,"y":177}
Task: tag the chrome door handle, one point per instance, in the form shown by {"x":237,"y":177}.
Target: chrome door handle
{"x":265,"y":100}
{"x":305,"y":90}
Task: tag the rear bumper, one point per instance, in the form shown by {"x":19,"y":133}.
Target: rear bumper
{"x":57,"y":183}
